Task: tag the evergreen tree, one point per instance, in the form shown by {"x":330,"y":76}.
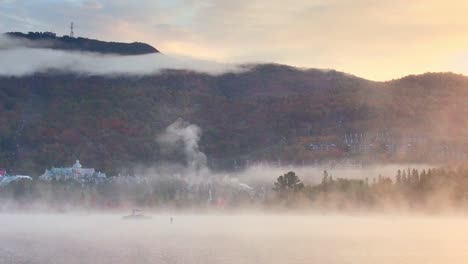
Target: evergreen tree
{"x":288,"y":182}
{"x":398,"y":177}
{"x":325,"y":177}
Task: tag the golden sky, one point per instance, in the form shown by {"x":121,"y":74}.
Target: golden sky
{"x":378,"y":40}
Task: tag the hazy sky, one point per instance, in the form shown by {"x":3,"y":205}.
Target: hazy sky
{"x":375,"y":39}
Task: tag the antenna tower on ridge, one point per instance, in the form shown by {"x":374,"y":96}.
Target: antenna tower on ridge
{"x":72,"y":34}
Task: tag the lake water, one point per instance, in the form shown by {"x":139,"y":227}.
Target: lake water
{"x":236,"y":239}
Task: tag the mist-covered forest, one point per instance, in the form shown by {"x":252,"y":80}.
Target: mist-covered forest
{"x":432,"y":190}
{"x":266,"y":113}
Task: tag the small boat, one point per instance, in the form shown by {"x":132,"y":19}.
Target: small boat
{"x":135,"y":215}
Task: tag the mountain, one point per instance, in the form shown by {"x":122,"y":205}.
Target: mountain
{"x":269,"y":112}
{"x":52,"y":41}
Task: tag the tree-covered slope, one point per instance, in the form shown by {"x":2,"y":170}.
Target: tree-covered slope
{"x":270,"y":112}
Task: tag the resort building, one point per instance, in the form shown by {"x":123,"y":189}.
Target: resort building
{"x":76,"y":172}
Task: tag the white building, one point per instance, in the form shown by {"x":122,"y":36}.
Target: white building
{"x":76,"y":172}
{"x":5,"y":180}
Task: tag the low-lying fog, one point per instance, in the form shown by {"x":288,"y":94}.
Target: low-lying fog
{"x":35,"y":238}
{"x":267,"y":173}
{"x":19,"y":59}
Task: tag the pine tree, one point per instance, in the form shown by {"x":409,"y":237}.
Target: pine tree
{"x":325,"y":177}
{"x":398,"y":177}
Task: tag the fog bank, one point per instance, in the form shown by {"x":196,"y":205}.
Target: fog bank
{"x":224,"y":239}
{"x":18,"y":59}
{"x":266,"y":173}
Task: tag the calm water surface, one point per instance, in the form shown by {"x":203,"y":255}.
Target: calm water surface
{"x":233,"y":239}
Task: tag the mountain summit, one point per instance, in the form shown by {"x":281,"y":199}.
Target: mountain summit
{"x":52,"y":41}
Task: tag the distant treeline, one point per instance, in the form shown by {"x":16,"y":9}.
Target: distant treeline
{"x":431,"y":190}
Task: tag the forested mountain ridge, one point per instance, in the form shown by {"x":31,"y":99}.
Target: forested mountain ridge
{"x":270,"y":112}
{"x":52,"y":41}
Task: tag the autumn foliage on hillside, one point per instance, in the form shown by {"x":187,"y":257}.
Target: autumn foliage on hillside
{"x":270,"y":112}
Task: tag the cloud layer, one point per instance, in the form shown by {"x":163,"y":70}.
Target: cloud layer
{"x":19,"y":61}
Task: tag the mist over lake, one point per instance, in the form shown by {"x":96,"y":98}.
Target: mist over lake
{"x":241,"y":238}
{"x":233,"y":132}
